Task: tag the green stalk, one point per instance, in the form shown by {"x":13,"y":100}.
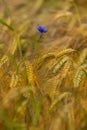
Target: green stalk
{"x":22,"y":57}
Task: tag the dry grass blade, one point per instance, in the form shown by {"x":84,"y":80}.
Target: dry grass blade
{"x":60,"y":97}
{"x":13,"y":93}
{"x":70,"y":116}
{"x":38,"y":5}
{"x":13,"y":46}
{"x":62,"y":14}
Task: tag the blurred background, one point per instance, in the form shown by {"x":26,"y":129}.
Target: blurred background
{"x":43,"y":81}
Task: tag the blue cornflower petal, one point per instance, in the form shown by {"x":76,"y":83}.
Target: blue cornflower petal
{"x":39,"y":28}
{"x":42,"y":29}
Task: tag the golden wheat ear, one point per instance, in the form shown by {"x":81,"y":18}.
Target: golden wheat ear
{"x":14,"y":80}
{"x":48,"y":56}
{"x":65,"y":52}
{"x":30,"y":73}
{"x":79,"y":76}
{"x":59,"y":64}
{"x":32,"y":77}
{"x":3,"y":60}
{"x":83,"y":56}
{"x":65,"y":70}
{"x":45,"y":58}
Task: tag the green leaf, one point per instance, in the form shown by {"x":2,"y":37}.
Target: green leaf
{"x":5,"y":24}
{"x":37,"y":110}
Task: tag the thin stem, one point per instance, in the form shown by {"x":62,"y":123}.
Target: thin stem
{"x":6,"y":9}
{"x":22,"y":58}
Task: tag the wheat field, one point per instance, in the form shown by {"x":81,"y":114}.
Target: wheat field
{"x":43,"y":79}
